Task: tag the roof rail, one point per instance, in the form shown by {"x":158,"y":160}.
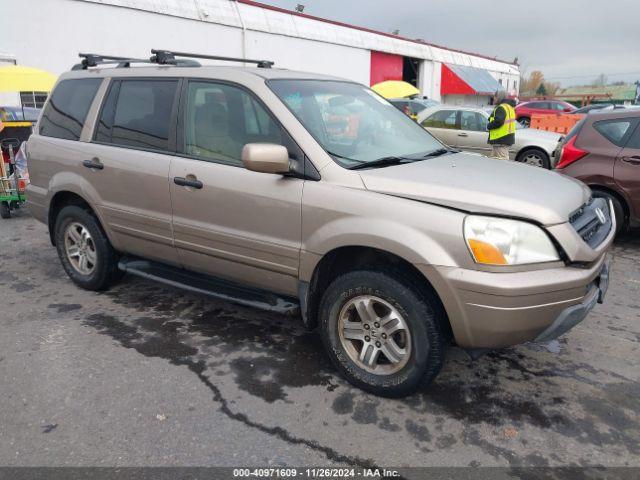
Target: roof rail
{"x":168,"y":57}
{"x":94,"y":60}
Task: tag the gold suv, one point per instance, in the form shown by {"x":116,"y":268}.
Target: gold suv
{"x":298,"y":192}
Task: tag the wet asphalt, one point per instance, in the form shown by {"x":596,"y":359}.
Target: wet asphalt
{"x":146,"y":374}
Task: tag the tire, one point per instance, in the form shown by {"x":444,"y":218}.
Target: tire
{"x":76,"y":227}
{"x":534,"y":157}
{"x":5,"y":211}
{"x":618,"y":210}
{"x":422,"y":340}
{"x":525,"y":121}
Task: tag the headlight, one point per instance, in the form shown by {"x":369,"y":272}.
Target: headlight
{"x":499,"y":241}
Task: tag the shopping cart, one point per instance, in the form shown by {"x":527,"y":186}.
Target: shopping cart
{"x":12,"y":187}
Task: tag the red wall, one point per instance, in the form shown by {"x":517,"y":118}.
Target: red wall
{"x":451,"y":84}
{"x":385,"y":66}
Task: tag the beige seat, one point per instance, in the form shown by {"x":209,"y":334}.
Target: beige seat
{"x":211,"y":134}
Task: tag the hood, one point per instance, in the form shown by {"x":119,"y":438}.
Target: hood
{"x":478,"y":184}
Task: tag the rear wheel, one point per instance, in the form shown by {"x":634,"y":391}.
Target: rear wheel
{"x":381,"y":332}
{"x":525,"y":121}
{"x":84,"y":249}
{"x":5,"y":211}
{"x":534,"y":157}
{"x":618,"y":209}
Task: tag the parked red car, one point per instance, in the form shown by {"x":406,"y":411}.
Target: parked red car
{"x":603,"y":151}
{"x":526,"y":109}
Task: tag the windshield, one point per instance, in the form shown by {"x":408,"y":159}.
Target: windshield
{"x":352,"y":123}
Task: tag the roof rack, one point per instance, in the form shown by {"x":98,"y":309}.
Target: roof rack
{"x":94,"y":60}
{"x":159,"y":57}
{"x":164,"y":57}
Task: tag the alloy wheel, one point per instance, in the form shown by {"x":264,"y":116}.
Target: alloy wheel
{"x":533,"y":159}
{"x":80,"y":248}
{"x":374,"y":334}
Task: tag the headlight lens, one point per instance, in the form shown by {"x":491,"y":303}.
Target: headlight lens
{"x":499,"y":241}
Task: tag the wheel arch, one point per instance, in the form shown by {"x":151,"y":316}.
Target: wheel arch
{"x":344,"y":259}
{"x":64,"y":198}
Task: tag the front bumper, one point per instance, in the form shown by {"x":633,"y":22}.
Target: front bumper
{"x":492,"y":310}
{"x":573,"y":315}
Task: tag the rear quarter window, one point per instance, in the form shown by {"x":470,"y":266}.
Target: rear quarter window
{"x":616,"y":131}
{"x":64,"y":115}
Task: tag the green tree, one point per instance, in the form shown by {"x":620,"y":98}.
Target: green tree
{"x":541,"y":90}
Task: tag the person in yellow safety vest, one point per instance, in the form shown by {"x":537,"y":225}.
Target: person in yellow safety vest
{"x":502,"y":128}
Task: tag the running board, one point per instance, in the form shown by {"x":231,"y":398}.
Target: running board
{"x":214,"y":287}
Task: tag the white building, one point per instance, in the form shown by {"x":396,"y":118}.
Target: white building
{"x":49,"y":34}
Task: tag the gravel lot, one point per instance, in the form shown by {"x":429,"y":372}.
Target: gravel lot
{"x":150,"y":375}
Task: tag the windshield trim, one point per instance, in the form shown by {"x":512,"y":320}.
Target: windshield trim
{"x":333,"y":156}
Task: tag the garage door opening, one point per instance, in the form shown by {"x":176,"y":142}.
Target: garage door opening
{"x":410,"y":69}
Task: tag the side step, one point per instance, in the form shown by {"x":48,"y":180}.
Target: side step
{"x":214,"y":287}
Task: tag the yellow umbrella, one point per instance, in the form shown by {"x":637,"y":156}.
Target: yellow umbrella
{"x":18,"y":78}
{"x":395,"y":89}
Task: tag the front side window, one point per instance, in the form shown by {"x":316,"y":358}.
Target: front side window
{"x":614,"y":130}
{"x":221,"y":119}
{"x":352,"y":123}
{"x":441,"y":119}
{"x":137,"y":113}
{"x":67,"y":109}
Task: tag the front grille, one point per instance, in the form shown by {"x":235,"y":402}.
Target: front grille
{"x":592,"y":221}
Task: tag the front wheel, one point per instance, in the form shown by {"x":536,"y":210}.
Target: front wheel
{"x":534,"y":157}
{"x":381,"y":332}
{"x":84,"y":249}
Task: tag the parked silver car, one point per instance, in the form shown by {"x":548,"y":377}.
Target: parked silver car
{"x":466,"y":128}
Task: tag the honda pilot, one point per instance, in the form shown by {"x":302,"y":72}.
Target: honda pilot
{"x":311,"y":195}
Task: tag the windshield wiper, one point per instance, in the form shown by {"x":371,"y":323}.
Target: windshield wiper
{"x":382,"y":162}
{"x":440,"y":151}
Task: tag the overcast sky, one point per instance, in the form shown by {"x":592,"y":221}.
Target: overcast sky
{"x":571,"y":41}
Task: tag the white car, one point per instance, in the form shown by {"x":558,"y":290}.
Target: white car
{"x":466,"y":128}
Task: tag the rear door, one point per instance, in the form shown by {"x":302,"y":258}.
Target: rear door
{"x":235,"y":223}
{"x":627,"y":171}
{"x":128,"y":165}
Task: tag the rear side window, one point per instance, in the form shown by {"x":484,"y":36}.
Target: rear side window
{"x":64,"y":115}
{"x":137,"y":113}
{"x":614,"y":130}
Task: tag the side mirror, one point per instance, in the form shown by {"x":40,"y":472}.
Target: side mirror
{"x":265,"y":158}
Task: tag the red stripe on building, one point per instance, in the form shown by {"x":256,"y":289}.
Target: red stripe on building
{"x":452,"y":84}
{"x":385,"y":66}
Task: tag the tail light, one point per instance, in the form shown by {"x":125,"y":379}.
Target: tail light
{"x":570,"y":153}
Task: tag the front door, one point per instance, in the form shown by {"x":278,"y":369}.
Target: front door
{"x":228,"y":221}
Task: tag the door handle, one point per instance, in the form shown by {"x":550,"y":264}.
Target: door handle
{"x":93,"y":164}
{"x":184,"y":182}
{"x":633,"y":160}
{"x":463,"y":134}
